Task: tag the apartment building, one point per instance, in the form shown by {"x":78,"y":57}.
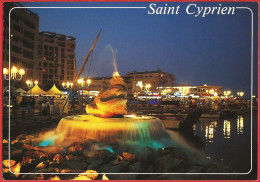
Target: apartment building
{"x":24,"y":28}
{"x":56,"y":58}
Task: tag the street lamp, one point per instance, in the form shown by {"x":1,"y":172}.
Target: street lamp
{"x":67,"y":85}
{"x":147,"y":87}
{"x":227,"y":93}
{"x":82,"y":83}
{"x":30,"y":84}
{"x":240,"y":94}
{"x":13,"y":73}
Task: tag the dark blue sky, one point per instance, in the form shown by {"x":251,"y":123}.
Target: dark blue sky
{"x":214,"y":50}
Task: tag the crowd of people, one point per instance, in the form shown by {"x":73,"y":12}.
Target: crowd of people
{"x":27,"y":105}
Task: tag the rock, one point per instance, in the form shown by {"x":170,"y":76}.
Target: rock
{"x":95,"y":164}
{"x":54,"y":178}
{"x":41,"y":165}
{"x":103,"y":153}
{"x":71,"y":171}
{"x":74,"y":165}
{"x":29,"y":137}
{"x":6,"y":170}
{"x":128,"y":156}
{"x":17,"y":145}
{"x":16,"y":169}
{"x":46,"y":156}
{"x":53,"y":164}
{"x":86,"y":153}
{"x":123,"y":165}
{"x":69,"y":157}
{"x":6,"y":163}
{"x":21,"y":137}
{"x":117,"y":160}
{"x":136,"y":167}
{"x":28,"y":167}
{"x":110,"y":168}
{"x":14,"y":141}
{"x":28,"y":147}
{"x":81,"y":178}
{"x":5,"y":141}
{"x":166,"y":164}
{"x":17,"y":155}
{"x":104,"y":177}
{"x":90,"y":174}
{"x":32,"y":154}
{"x":57,"y":158}
{"x":75,"y":150}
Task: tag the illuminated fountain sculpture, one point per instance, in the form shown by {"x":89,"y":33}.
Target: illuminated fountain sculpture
{"x":107,"y":121}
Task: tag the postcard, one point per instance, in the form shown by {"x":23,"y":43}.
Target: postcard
{"x":130,"y":90}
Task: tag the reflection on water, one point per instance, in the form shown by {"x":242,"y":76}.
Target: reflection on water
{"x":226,"y":129}
{"x":227,"y":140}
{"x":240,"y":125}
{"x":209,"y":133}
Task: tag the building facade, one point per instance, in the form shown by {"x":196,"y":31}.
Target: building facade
{"x":134,"y":80}
{"x":187,"y":90}
{"x":24,"y":28}
{"x":56,"y":58}
{"x":137,"y":81}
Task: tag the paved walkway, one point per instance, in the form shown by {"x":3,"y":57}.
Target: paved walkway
{"x":30,"y":124}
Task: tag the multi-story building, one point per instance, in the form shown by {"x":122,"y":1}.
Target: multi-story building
{"x":56,"y":58}
{"x":134,"y":80}
{"x":24,"y":28}
{"x":187,"y":90}
{"x":137,"y":81}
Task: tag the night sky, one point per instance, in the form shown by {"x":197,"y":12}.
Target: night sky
{"x":214,"y":50}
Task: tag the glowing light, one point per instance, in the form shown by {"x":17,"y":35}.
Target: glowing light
{"x":6,"y":163}
{"x":63,"y":84}
{"x":88,"y":81}
{"x":209,"y":132}
{"x":226,"y":129}
{"x":14,"y":69}
{"x":36,"y":82}
{"x":21,"y":72}
{"x":240,"y":125}
{"x":49,"y":141}
{"x":143,"y":130}
{"x":54,"y":178}
{"x":16,"y":169}
{"x":5,"y":71}
{"x":104,"y":177}
{"x":241,"y":94}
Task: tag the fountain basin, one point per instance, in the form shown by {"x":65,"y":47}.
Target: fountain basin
{"x":142,"y":129}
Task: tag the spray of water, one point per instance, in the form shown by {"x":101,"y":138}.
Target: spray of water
{"x":113,"y":57}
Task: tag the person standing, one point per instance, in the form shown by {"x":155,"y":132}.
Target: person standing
{"x":29,"y":107}
{"x":51,"y":102}
{"x":23,"y":105}
{"x":15,"y":110}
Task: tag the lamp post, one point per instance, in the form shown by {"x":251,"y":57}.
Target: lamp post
{"x":240,"y":94}
{"x":13,"y":74}
{"x":67,"y":85}
{"x":82,"y":83}
{"x":30,"y":84}
{"x":227,"y":93}
{"x":147,"y":87}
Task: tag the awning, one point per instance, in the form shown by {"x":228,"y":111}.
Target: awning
{"x":54,"y":91}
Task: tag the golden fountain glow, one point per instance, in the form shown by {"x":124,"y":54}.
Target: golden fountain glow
{"x":107,"y":121}
{"x":136,"y":128}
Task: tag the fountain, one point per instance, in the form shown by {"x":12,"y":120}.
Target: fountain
{"x":107,"y":120}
